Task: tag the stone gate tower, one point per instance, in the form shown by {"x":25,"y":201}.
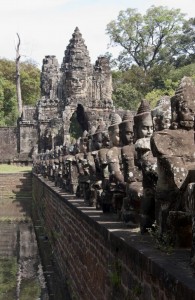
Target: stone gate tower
{"x":78,"y":87}
{"x":77,"y":90}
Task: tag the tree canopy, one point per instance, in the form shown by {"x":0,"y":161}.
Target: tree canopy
{"x":158,"y":49}
{"x":153,"y":38}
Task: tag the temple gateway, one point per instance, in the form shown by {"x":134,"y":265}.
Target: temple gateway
{"x":75,"y":98}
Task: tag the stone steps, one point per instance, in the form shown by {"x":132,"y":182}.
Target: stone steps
{"x":13,"y":185}
{"x":15,"y":195}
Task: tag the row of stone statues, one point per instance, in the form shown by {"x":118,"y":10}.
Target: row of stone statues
{"x":140,"y":167}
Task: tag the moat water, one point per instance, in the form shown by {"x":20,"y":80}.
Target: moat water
{"x":28,"y":269}
{"x":21,"y":272}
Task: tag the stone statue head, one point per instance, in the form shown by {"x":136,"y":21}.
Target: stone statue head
{"x":97,"y":136}
{"x":126,"y":129}
{"x":105,"y":139}
{"x":90,"y":139}
{"x":113,"y":130}
{"x":97,"y":140}
{"x":143,"y":125}
{"x":183,"y":105}
{"x":84,"y":142}
{"x":162,"y":114}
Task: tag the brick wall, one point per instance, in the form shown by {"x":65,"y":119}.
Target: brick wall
{"x":17,"y":143}
{"x":8,"y":142}
{"x":102,"y":259}
{"x":28,"y":138}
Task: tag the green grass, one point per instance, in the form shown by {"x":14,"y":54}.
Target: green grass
{"x":8,"y":267}
{"x":4,"y":168}
{"x":30,"y":289}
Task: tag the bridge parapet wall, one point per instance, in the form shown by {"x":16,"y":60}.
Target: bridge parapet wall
{"x":102,"y":258}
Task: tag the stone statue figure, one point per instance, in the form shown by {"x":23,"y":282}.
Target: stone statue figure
{"x":143,"y":129}
{"x":70,"y":173}
{"x":162,"y":114}
{"x":175,"y":152}
{"x":101,"y":146}
{"x":81,"y":163}
{"x":132,"y":175}
{"x":112,"y":194}
{"x":91,"y":167}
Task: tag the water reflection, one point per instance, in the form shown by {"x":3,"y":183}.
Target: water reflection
{"x":21,"y":274}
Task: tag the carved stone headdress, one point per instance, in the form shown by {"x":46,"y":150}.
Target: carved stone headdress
{"x":143,"y":112}
{"x":115,"y":120}
{"x":127,"y":120}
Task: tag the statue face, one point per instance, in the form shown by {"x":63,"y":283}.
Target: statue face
{"x":75,"y":84}
{"x":129,"y":136}
{"x":114,"y":135}
{"x":97,"y":141}
{"x":165,"y":123}
{"x":102,"y":156}
{"x":126,"y":133}
{"x":105,"y":140}
{"x":186,"y":116}
{"x":83,"y":144}
{"x":145,"y":128}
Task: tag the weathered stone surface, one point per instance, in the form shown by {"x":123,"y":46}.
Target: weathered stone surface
{"x":141,"y":175}
{"x":50,"y":76}
{"x":146,"y":162}
{"x":162,"y":114}
{"x":175,"y":150}
{"x":76,"y":88}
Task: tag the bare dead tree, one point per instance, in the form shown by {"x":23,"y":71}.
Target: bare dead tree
{"x":18,"y":85}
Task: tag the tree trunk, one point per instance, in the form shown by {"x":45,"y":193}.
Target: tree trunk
{"x":18,"y":86}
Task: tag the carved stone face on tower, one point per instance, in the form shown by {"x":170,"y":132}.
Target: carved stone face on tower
{"x":49,"y":76}
{"x":76,"y":84}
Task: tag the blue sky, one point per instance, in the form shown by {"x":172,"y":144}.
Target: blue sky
{"x":46,"y":26}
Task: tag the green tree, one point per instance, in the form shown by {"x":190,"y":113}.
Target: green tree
{"x":186,"y":44}
{"x":131,"y":86}
{"x":1,"y":102}
{"x":30,"y":83}
{"x":175,"y":75}
{"x":8,"y":102}
{"x":124,"y":94}
{"x":149,"y":39}
{"x":170,"y":82}
{"x":30,"y":86}
{"x":158,"y":50}
{"x":127,"y":97}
